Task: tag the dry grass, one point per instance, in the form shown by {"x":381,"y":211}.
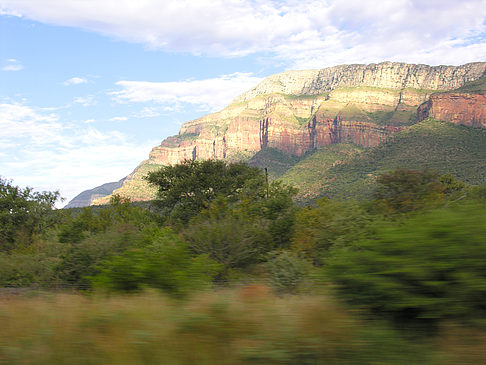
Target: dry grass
{"x":248,"y":325}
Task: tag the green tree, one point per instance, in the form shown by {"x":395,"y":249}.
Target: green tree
{"x":228,"y":235}
{"x":403,"y":191}
{"x":24,"y":213}
{"x":329,"y":225}
{"x":239,"y":234}
{"x":187,"y":188}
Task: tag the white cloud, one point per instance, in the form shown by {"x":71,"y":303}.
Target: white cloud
{"x":84,"y":100}
{"x":150,"y":112}
{"x":75,"y":81}
{"x":12,"y":65}
{"x":41,"y":150}
{"x":209,"y":94}
{"x":301,"y":34}
{"x":118,"y":119}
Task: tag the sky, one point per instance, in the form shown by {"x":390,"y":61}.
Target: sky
{"x":88,"y":87}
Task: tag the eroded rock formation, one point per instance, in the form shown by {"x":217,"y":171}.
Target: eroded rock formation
{"x":460,"y":109}
{"x":299,"y":111}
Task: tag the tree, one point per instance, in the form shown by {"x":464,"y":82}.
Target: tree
{"x":23,"y":214}
{"x":403,"y":191}
{"x":238,"y":235}
{"x":187,"y":188}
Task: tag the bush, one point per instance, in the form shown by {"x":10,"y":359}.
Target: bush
{"x":287,"y":271}
{"x":165,"y":263}
{"x":430,"y":268}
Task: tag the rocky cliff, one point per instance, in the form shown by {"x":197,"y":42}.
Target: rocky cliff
{"x":299,"y":111}
{"x":460,"y":109}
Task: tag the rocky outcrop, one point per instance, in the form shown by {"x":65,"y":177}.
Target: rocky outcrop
{"x":298,"y":111}
{"x":457,"y":108}
{"x":391,"y":75}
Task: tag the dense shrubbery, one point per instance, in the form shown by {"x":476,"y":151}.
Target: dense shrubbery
{"x":431,"y":267}
{"x":414,"y":254}
{"x":164,"y":262}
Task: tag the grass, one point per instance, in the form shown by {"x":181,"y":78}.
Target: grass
{"x":308,"y":175}
{"x":276,"y":161}
{"x":247,"y":325}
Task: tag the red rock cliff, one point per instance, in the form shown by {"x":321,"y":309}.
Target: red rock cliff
{"x":301,"y":110}
{"x":460,"y":109}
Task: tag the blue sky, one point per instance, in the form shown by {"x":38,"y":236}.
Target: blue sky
{"x":87,"y":88}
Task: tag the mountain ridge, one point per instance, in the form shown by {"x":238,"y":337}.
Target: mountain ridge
{"x":300,"y":111}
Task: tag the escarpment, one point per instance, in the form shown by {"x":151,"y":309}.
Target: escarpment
{"x":457,"y":108}
{"x":299,"y":111}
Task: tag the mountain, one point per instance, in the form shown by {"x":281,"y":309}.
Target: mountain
{"x":348,"y":172}
{"x":299,"y":112}
{"x":88,"y":196}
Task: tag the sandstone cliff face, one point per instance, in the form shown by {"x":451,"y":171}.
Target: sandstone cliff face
{"x":460,"y":109}
{"x":302,"y":110}
{"x":392,"y":75}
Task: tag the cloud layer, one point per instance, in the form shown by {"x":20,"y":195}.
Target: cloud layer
{"x":209,"y":94}
{"x":41,"y":150}
{"x":300,"y":34}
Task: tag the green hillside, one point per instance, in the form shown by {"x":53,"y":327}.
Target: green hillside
{"x":276,"y":161}
{"x":432,"y":144}
{"x":308,"y":175}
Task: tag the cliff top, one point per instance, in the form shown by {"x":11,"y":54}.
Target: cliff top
{"x":392,"y":75}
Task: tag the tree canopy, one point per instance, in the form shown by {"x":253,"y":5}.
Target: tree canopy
{"x":187,"y":188}
{"x":23,"y":213}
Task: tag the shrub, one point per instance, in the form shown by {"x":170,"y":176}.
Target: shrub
{"x":165,"y":263}
{"x":287,"y":271}
{"x":430,"y":268}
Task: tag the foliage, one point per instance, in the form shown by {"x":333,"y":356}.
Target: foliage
{"x":331,"y":224}
{"x":228,"y":236}
{"x":82,"y":259}
{"x":238,"y":235}
{"x":99,"y":233}
{"x":309,"y":174}
{"x":403,"y":191}
{"x":23,"y":214}
{"x":187,"y":188}
{"x":94,"y":220}
{"x":28,"y":269}
{"x":431,"y":267}
{"x":287,"y":271}
{"x":165,"y":263}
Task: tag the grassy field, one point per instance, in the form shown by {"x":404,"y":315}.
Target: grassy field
{"x":248,"y":325}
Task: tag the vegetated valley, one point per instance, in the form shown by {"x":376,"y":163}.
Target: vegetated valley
{"x":364,"y":243}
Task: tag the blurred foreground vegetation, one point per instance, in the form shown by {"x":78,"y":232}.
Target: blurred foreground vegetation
{"x":226,"y":269}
